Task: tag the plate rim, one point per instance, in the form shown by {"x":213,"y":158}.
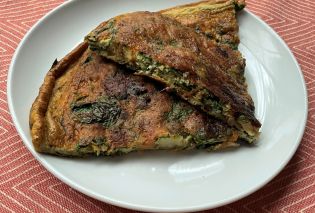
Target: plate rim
{"x":129,"y":205}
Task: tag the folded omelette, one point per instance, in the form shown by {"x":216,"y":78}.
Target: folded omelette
{"x":98,"y":107}
{"x":91,"y":105}
{"x":199,"y":70}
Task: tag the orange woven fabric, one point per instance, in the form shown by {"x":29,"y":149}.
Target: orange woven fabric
{"x":26,"y":186}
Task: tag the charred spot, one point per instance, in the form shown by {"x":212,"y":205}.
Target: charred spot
{"x":116,"y":85}
{"x":215,"y":129}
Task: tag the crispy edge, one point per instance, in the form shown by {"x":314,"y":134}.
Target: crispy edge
{"x":39,"y":108}
{"x":239,"y":4}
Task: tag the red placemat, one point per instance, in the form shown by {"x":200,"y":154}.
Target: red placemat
{"x":25,"y":186}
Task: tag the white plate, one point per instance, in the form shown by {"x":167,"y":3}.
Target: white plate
{"x":167,"y":181}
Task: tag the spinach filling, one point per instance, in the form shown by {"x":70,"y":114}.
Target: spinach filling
{"x":180,"y":82}
{"x":148,"y":66}
{"x":105,"y":111}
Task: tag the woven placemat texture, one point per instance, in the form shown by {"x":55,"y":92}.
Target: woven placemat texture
{"x":26,"y":186}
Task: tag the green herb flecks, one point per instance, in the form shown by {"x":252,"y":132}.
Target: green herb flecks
{"x":180,"y":82}
{"x":148,"y":66}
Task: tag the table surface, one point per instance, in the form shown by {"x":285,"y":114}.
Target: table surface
{"x":292,"y":190}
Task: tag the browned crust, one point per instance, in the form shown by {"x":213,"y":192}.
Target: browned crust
{"x":147,"y":122}
{"x":204,"y":60}
{"x":39,"y":107}
{"x":237,"y":2}
{"x":218,"y":23}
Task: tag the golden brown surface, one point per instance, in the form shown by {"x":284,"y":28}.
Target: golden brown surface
{"x":76,"y":113}
{"x":90,"y":105}
{"x":216,"y":19}
{"x":151,"y":43}
{"x":39,"y":107}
